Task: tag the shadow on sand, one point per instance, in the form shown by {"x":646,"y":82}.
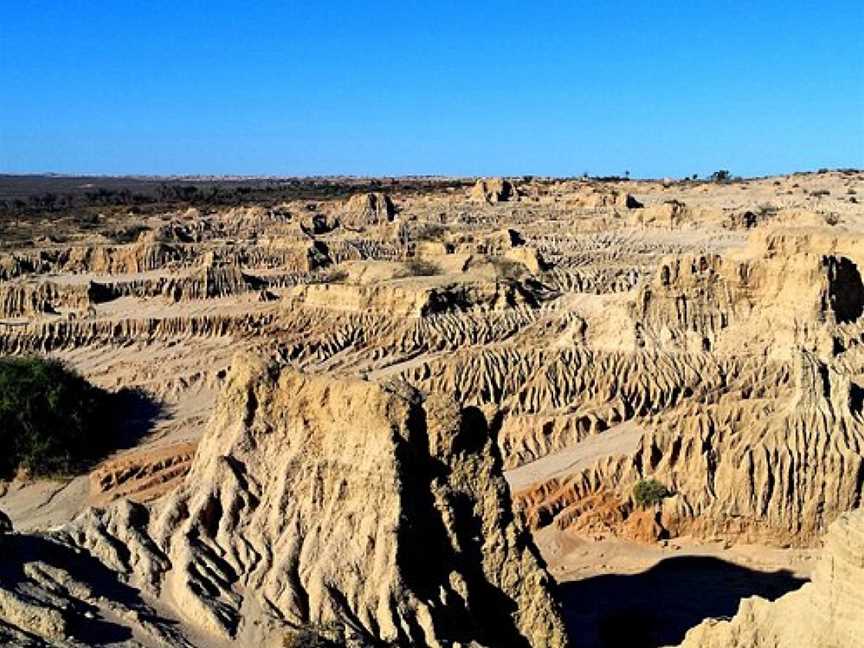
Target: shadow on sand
{"x":134,"y":413}
{"x":657,"y":607}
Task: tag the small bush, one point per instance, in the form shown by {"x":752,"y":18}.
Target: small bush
{"x":649,"y":492}
{"x":421,"y":268}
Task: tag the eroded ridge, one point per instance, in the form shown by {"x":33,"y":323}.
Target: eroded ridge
{"x":314,"y":501}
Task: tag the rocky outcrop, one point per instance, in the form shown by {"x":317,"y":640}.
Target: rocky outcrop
{"x":34,"y":299}
{"x":363,"y":210}
{"x":141,"y":475}
{"x":670,"y":213}
{"x":148,"y":253}
{"x":493,"y":190}
{"x":528,"y":257}
{"x":315,"y":501}
{"x":417,"y":297}
{"x":209,"y":281}
{"x":554,"y":398}
{"x":594,"y":280}
{"x":759,"y":300}
{"x":45,"y":337}
{"x":379,"y":340}
{"x":826,"y":613}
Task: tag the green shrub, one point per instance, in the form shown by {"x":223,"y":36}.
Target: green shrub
{"x":649,"y":492}
{"x":326,"y":636}
{"x":52,"y":421}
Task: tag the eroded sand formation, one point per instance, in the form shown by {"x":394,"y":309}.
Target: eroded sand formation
{"x":580,"y":336}
{"x":311,"y":501}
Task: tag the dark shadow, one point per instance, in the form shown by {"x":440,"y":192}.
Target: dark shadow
{"x":472,"y":432}
{"x":856,"y":398}
{"x":657,"y":607}
{"x":85,"y":623}
{"x":134,"y":413}
{"x":845,"y":289}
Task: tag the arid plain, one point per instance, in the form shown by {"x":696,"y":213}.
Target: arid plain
{"x":420,"y":412}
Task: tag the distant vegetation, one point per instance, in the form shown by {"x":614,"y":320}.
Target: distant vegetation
{"x":649,"y":492}
{"x":25,"y":195}
{"x":52,"y":421}
{"x":97,"y":203}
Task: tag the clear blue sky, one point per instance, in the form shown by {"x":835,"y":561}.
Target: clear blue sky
{"x":458,"y":88}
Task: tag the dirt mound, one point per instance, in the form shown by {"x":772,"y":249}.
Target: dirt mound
{"x":143,"y":475}
{"x":313,"y":501}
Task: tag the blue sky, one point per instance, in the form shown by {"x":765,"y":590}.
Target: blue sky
{"x":457,"y":88}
